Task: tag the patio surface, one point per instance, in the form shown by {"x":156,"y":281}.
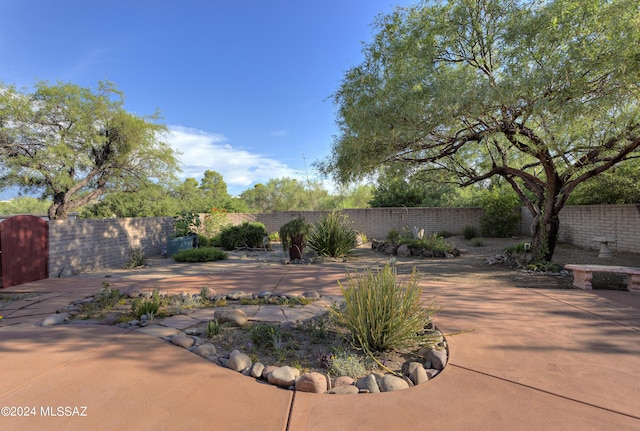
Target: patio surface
{"x":533,"y":359}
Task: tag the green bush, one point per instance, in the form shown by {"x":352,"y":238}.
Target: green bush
{"x":433,"y":242}
{"x":469,"y":232}
{"x":246,"y":234}
{"x":393,"y":236}
{"x":381,"y":313}
{"x":136,"y":258}
{"x":201,"y":254}
{"x":333,"y":235}
{"x":501,"y":213}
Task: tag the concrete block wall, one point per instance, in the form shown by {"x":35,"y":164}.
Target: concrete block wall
{"x":377,"y":222}
{"x":77,"y":246}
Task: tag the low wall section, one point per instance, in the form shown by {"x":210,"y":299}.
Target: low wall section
{"x":77,"y":246}
{"x":580,"y":224}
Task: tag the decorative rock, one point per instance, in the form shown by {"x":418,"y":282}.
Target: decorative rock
{"x":408,"y":367}
{"x":343,"y":390}
{"x":235,"y":296}
{"x":238,"y":361}
{"x":342,"y":381}
{"x":268,"y":370}
{"x":265,"y":294}
{"x":209,"y":294}
{"x":390,"y":383}
{"x":431,"y":372}
{"x":368,"y":383}
{"x":134,"y":292}
{"x":283,"y":377}
{"x":403,"y":251}
{"x":418,"y":375}
{"x":54,"y":319}
{"x":182,"y":341}
{"x":205,"y":350}
{"x":312,"y":382}
{"x":437,"y":358}
{"x":256,"y":370}
{"x":311,"y":295}
{"x":109,"y":320}
{"x":234,"y":317}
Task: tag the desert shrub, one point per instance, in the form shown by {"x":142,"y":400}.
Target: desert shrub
{"x":333,"y":235}
{"x":247,"y":234}
{"x":347,"y":364}
{"x":200,"y":254}
{"x":477,"y":242}
{"x":445,"y":234}
{"x":136,"y":258}
{"x":381,"y":313}
{"x":148,"y":307}
{"x":433,"y":242}
{"x":214,"y":223}
{"x":501,"y":213}
{"x":393,"y":236}
{"x":469,"y":232}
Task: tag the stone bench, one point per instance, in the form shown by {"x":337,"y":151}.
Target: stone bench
{"x":582,"y":275}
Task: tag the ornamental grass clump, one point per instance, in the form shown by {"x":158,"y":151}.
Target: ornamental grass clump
{"x":333,"y":235}
{"x":382,"y":313}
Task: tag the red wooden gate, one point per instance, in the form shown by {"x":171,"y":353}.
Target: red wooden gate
{"x":24,"y":250}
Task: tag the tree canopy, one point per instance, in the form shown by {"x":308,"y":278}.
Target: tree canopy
{"x":541,"y":93}
{"x":74,"y":144}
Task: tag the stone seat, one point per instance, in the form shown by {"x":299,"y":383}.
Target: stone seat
{"x":582,"y":275}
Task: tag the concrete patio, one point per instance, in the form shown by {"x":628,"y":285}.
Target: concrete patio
{"x":533,"y":359}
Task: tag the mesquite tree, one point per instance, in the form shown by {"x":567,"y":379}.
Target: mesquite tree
{"x":544,"y":94}
{"x":74,"y":144}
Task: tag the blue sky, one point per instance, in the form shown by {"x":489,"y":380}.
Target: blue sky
{"x":244,"y":86}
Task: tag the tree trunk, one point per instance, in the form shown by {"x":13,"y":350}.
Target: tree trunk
{"x":544,"y":232}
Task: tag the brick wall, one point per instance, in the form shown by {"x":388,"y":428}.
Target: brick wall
{"x":580,"y":224}
{"x":377,"y":222}
{"x":77,"y":246}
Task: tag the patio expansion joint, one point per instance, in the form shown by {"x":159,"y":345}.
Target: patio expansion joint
{"x":617,"y":322}
{"x":544,"y":391}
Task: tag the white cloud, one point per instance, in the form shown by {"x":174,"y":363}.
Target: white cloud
{"x":240,"y":169}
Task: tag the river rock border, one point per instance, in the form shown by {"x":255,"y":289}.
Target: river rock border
{"x":413,"y":373}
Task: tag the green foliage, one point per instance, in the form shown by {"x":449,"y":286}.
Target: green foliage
{"x":380,"y":312}
{"x":185,"y":223}
{"x":200,"y":254}
{"x":24,"y":205}
{"x":469,"y":232}
{"x":149,"y":306}
{"x":433,"y":242}
{"x":347,"y":364}
{"x":396,"y":188}
{"x":213,"y":328}
{"x":501,"y":213}
{"x":294,"y":233}
{"x":542,"y":95}
{"x":393,"y":236}
{"x":614,"y":187}
{"x":107,"y":297}
{"x":333,"y":235}
{"x":266,"y":336}
{"x":136,"y":258}
{"x":477,"y":242}
{"x":247,"y":234}
{"x":74,"y":144}
{"x":518,"y":248}
{"x":214,"y":223}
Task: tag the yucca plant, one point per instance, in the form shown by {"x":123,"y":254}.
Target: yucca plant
{"x":333,"y":235}
{"x":380,"y":312}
